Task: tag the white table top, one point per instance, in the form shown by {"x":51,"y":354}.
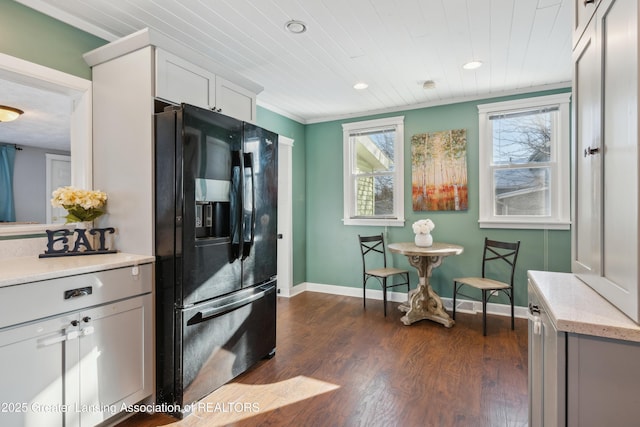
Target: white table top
{"x":19,"y":270}
{"x":437,"y":249}
{"x":574,"y":307}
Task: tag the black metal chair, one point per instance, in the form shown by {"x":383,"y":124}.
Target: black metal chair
{"x":493,"y":251}
{"x":374,"y":253}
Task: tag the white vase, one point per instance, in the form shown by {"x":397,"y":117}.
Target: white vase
{"x":87,"y":225}
{"x":423,"y":240}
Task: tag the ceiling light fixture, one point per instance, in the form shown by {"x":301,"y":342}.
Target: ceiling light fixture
{"x":429,"y":84}
{"x":295,"y":27}
{"x":360,"y":86}
{"x":472,"y":65}
{"x":8,"y":114}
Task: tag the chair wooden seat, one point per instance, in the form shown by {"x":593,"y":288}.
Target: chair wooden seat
{"x":385,"y":272}
{"x":493,"y":251}
{"x":483,"y":283}
{"x":372,"y":247}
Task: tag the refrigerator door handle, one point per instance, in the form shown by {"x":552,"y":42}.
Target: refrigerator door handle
{"x":249,"y":215}
{"x":211,"y":312}
{"x":235,"y":216}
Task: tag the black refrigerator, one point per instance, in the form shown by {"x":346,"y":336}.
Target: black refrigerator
{"x":215,"y":239}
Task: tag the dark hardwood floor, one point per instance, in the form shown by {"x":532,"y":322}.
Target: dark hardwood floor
{"x":337,"y":365}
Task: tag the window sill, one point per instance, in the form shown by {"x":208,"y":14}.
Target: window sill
{"x":526,"y":225}
{"x":385,"y":222}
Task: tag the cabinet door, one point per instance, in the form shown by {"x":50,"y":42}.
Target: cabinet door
{"x":619,"y":37}
{"x":547,"y":367}
{"x":588,"y":158}
{"x":114,"y":357}
{"x":180,"y":81}
{"x":603,"y":381}
{"x":235,"y":101}
{"x":32,"y":371}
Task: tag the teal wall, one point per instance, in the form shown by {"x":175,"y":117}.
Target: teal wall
{"x":333,"y":256}
{"x":35,"y":37}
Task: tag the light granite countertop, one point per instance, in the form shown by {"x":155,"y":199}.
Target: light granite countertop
{"x":19,"y":270}
{"x":574,"y":307}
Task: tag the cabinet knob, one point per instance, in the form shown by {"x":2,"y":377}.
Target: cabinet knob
{"x":534,"y":308}
{"x":591,"y":151}
{"x":86,"y":319}
{"x":74,"y":323}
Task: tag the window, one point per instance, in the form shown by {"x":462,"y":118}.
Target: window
{"x":373,"y":172}
{"x":524,"y":163}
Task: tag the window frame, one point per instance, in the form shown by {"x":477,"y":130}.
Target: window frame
{"x":349,"y":175}
{"x":560,"y":184}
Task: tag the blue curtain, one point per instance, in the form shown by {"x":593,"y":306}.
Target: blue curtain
{"x":7,"y":207}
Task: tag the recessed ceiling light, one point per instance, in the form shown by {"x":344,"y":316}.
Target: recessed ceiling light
{"x":360,"y":86}
{"x":295,"y":27}
{"x":472,"y":65}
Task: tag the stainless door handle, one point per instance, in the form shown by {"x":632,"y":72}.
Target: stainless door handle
{"x":74,"y":293}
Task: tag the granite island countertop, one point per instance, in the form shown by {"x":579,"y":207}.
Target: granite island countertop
{"x":19,"y":270}
{"x":574,"y":307}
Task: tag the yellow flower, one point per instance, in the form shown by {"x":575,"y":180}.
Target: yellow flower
{"x":82,"y":205}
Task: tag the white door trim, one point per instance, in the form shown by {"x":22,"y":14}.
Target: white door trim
{"x":285,"y":216}
{"x":49,"y":159}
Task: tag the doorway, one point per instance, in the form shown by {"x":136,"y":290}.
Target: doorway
{"x":285,"y":217}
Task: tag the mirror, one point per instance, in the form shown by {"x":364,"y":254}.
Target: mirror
{"x":75,"y":92}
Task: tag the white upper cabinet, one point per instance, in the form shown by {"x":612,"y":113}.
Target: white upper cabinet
{"x":178,"y":81}
{"x":235,"y":101}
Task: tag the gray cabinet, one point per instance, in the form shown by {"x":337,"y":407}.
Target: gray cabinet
{"x":576,"y":377}
{"x":605,"y":232}
{"x":603,"y":382}
{"x":547,"y":365}
{"x":78,"y":367}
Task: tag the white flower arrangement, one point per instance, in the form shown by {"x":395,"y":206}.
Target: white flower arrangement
{"x":423,"y":226}
{"x":81,"y":205}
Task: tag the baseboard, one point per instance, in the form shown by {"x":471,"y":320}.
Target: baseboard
{"x":462,"y":305}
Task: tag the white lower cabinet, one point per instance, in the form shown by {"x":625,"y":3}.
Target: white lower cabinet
{"x":111,"y":358}
{"x":82,"y":367}
{"x":32,"y":372}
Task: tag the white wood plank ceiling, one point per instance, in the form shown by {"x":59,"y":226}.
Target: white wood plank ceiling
{"x":392,"y":45}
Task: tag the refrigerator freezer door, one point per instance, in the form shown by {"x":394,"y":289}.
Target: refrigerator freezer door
{"x":224,"y":337}
{"x":260,"y":208}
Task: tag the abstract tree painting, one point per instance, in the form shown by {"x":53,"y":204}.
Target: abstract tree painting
{"x":439,"y":171}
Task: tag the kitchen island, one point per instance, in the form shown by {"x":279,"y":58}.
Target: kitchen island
{"x":583,"y":356}
{"x":75,"y":337}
